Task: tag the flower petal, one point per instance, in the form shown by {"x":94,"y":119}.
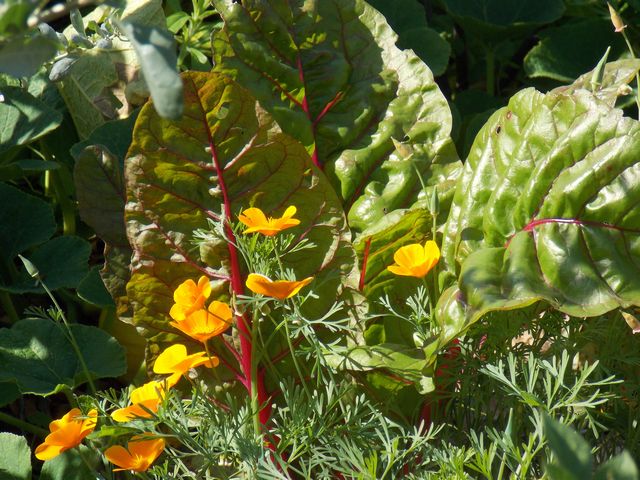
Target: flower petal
{"x":398,"y":270}
{"x":169,"y":358}
{"x":143,"y":410}
{"x":118,"y":455}
{"x":279,"y":289}
{"x":221,"y":311}
{"x":289,"y":212}
{"x":66,"y":432}
{"x":409,"y":256}
{"x":252,"y":217}
{"x":45,"y":451}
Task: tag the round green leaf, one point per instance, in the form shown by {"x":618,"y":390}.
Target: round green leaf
{"x":37,"y":356}
{"x":563,"y":53}
{"x":497,"y":18}
{"x":62,"y":262}
{"x":24,"y":118}
{"x":25,"y":221}
{"x":15,"y":457}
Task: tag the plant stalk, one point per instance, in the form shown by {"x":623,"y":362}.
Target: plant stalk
{"x":22,"y":425}
{"x":72,"y":340}
{"x":633,"y":54}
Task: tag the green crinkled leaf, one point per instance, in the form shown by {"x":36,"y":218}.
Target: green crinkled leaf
{"x":15,"y":457}
{"x":546,"y":210}
{"x":615,"y":81}
{"x":62,"y":263}
{"x":394,"y":231}
{"x":25,"y":221}
{"x":37,"y":356}
{"x":24,"y":118}
{"x":496,"y":18}
{"x":345,"y":93}
{"x":85,"y":91}
{"x":564,"y":52}
{"x":174,"y":187}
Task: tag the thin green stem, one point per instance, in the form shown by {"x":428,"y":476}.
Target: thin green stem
{"x":295,"y":360}
{"x":67,"y":392}
{"x":55,"y":188}
{"x":633,"y":54}
{"x":210,"y":357}
{"x":276,"y":252}
{"x":72,"y":340}
{"x":431,"y":295}
{"x":434,"y":272}
{"x":22,"y":425}
{"x":8,"y":307}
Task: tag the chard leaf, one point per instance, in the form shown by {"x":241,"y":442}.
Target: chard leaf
{"x":225,"y":154}
{"x":332,"y":77}
{"x":546,"y":210}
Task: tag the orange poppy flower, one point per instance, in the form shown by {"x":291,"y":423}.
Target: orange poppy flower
{"x":415,"y":260}
{"x":203,"y":324}
{"x":174,"y":360}
{"x":139,"y":454}
{"x":148,"y":396}
{"x":256,"y":220}
{"x":67,"y":432}
{"x":190,"y":297}
{"x":279,"y":289}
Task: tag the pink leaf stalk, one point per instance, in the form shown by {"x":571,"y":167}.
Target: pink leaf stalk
{"x":237,"y":284}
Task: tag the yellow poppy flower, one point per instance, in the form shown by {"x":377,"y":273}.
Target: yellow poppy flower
{"x":256,"y":220}
{"x":415,"y":260}
{"x":148,"y":396}
{"x":203,"y":324}
{"x":139,"y":454}
{"x":190,"y":297}
{"x":174,"y":360}
{"x":279,"y":289}
{"x":67,"y":432}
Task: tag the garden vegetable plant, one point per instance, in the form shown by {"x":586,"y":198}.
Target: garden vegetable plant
{"x":284,"y":239}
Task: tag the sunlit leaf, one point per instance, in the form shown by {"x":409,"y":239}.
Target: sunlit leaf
{"x":545,"y":210}
{"x":174,"y":185}
{"x":333,"y":78}
{"x":15,"y":457}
